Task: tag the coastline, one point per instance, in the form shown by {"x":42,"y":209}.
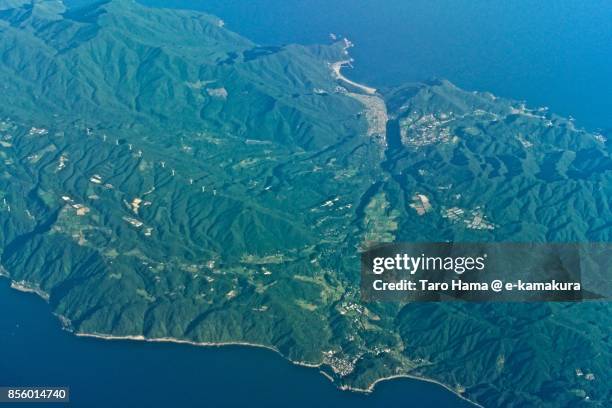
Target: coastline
{"x":22,"y":287}
{"x":372,"y":386}
{"x":367,"y":390}
{"x":190,"y":343}
{"x":337,"y":66}
{"x":141,"y":338}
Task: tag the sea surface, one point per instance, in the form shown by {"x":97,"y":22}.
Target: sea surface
{"x":554,"y":53}
{"x":34,"y":351}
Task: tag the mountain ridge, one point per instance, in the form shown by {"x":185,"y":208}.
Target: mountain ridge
{"x":147,"y":201}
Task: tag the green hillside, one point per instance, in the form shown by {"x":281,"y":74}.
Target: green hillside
{"x":164,"y":177}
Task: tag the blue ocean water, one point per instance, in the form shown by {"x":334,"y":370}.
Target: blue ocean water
{"x":555,"y":53}
{"x":34,"y":351}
